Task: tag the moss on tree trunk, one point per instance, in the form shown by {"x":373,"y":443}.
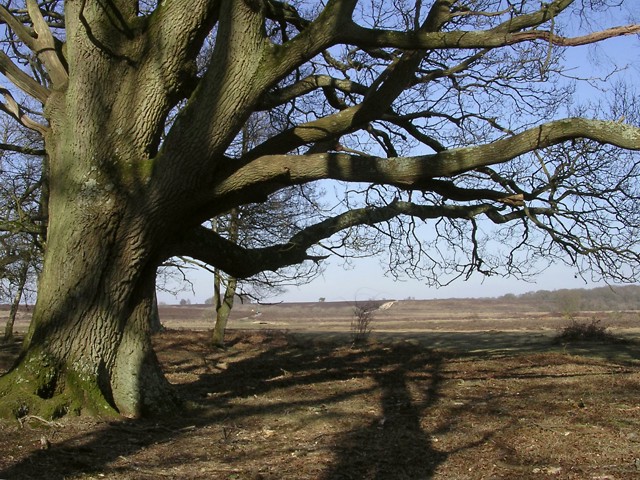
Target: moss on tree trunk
{"x":88,"y":349}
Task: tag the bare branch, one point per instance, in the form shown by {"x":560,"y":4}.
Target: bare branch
{"x":24,"y":34}
{"x":508,"y":33}
{"x":241,"y":262}
{"x":317,"y":35}
{"x":480,"y":39}
{"x":45,"y":46}
{"x":574,"y":41}
{"x":284,"y":12}
{"x":22,"y":149}
{"x":411,"y":172}
{"x":383,"y":91}
{"x":308,"y":84}
{"x":21,"y":80}
{"x":14,"y":110}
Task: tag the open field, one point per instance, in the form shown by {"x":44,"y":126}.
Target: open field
{"x":391,"y":318}
{"x":411,"y":316}
{"x":444,"y":390}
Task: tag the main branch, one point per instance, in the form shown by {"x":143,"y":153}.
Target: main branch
{"x":240,"y":262}
{"x":269,"y":172}
{"x":509,"y":32}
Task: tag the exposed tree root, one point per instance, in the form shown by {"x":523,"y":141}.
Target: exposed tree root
{"x":46,"y":392}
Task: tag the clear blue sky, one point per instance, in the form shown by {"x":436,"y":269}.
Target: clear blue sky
{"x":366,"y":279}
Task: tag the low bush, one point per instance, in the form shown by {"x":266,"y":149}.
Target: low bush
{"x":583,"y":331}
{"x":361,"y":324}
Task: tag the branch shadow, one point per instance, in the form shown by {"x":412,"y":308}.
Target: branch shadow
{"x":397,"y":445}
{"x":395,"y":439}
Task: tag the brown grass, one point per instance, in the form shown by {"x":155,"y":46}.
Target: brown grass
{"x":290,"y":406}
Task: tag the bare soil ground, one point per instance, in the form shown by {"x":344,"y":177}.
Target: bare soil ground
{"x":446,"y":391}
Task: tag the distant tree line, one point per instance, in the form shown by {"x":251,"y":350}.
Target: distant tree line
{"x":570,"y":300}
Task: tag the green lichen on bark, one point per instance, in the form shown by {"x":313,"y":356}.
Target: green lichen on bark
{"x":86,"y":395}
{"x":39,"y":386}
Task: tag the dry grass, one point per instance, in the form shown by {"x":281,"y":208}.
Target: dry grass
{"x":286,"y":406}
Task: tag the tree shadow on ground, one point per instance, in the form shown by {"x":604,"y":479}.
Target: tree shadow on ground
{"x":9,"y":350}
{"x":402,"y":385}
{"x":396,"y":446}
{"x":392,"y":445}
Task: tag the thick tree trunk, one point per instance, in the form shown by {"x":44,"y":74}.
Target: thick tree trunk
{"x":88,"y":348}
{"x":118,"y":198}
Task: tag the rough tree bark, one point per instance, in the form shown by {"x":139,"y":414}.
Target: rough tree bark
{"x":88,"y":347}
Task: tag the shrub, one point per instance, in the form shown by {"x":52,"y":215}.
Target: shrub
{"x":582,"y":331}
{"x":361,"y":324}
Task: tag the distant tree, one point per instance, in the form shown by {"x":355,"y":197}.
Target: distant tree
{"x":568,"y":302}
{"x":22,"y":219}
{"x":258,"y":225}
{"x":223,"y":302}
{"x":457,"y":114}
{"x":17,"y":279}
{"x":155,"y":324}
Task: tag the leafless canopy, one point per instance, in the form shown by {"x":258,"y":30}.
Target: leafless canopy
{"x":449,"y":123}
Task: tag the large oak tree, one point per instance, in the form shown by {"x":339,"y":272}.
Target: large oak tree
{"x":448,"y":111}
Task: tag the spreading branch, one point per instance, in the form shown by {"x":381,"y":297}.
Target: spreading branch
{"x":479,"y":39}
{"x":205,"y":245}
{"x":11,"y":107}
{"x":508,"y":33}
{"x":46,"y":47}
{"x":417,"y":172}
